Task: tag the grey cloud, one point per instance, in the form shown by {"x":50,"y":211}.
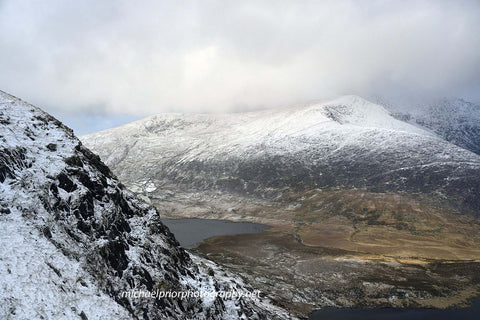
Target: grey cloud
{"x":146,"y":57}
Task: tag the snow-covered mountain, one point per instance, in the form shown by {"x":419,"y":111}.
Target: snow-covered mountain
{"x":73,"y":238}
{"x":345,"y":143}
{"x":455,"y":120}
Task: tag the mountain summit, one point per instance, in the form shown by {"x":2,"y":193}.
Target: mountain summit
{"x":354,"y":194}
{"x":345,"y":143}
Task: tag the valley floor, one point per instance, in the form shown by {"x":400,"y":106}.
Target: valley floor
{"x":319,"y":253}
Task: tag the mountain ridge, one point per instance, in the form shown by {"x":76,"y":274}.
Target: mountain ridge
{"x":76,"y":238}
{"x":347,"y":142}
{"x":455,"y":120}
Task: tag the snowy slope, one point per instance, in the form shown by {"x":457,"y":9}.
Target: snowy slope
{"x":73,"y":238}
{"x":455,"y":120}
{"x":347,"y":142}
{"x":193,"y":137}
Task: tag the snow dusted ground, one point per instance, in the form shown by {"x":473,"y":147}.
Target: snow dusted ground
{"x":455,"y":120}
{"x":37,"y":279}
{"x":194,"y":135}
{"x":348,"y":142}
{"x":74,"y":239}
{"x":38,"y":282}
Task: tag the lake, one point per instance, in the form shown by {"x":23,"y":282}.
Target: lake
{"x":192,"y":231}
{"x":470,"y":313}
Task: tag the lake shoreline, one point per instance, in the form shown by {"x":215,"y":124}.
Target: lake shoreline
{"x":191,"y":232}
{"x":468,"y":313}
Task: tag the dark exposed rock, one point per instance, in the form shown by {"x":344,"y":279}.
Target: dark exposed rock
{"x":83,"y":316}
{"x":94,"y":160}
{"x":84,"y":226}
{"x":114,"y":254}
{"x":11,"y":159}
{"x":66,"y":183}
{"x":54,"y":189}
{"x":46,"y":232}
{"x":97,"y":188}
{"x":74,"y":161}
{"x":144,"y":277}
{"x":59,"y":274}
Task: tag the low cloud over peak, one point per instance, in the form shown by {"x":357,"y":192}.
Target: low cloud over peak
{"x":118,"y":57}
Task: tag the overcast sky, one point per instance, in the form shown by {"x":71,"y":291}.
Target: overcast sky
{"x":95,"y":64}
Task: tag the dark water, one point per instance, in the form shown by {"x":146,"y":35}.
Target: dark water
{"x":190,"y":232}
{"x":470,"y":313}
